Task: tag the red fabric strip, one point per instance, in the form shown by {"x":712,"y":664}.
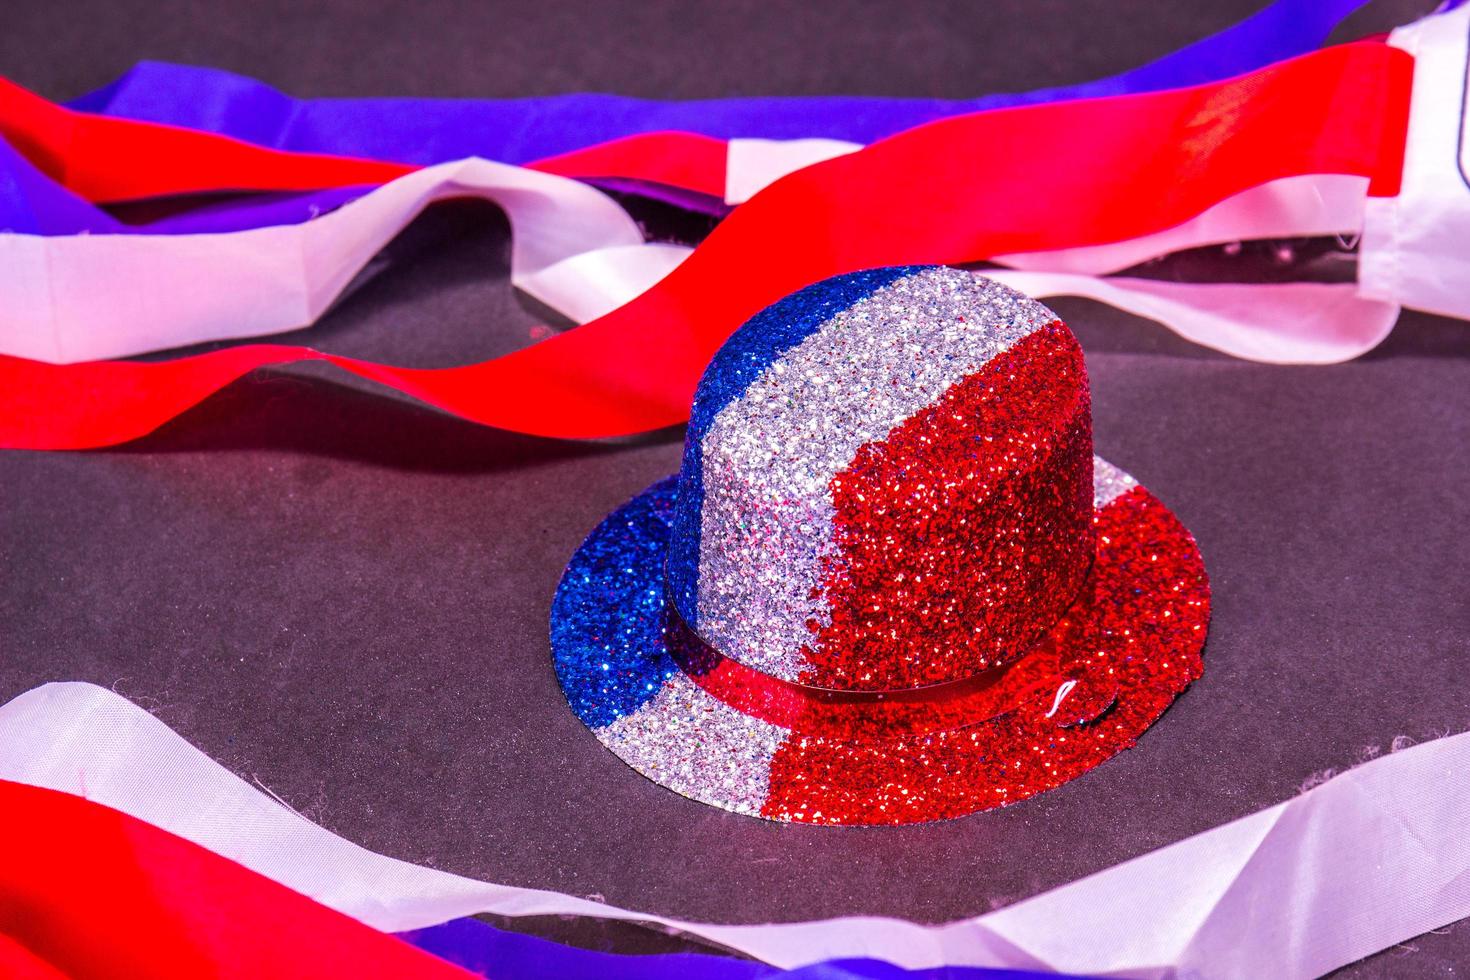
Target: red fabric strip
{"x":87,"y":891}
{"x":106,"y":159}
{"x":686,"y":160}
{"x":959,"y":190}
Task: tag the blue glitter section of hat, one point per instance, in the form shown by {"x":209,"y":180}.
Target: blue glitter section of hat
{"x":748,"y":352}
{"x":607,"y":640}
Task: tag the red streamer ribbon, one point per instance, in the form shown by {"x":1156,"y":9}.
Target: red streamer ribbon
{"x":87,"y":891}
{"x":106,"y":159}
{"x":958,"y":190}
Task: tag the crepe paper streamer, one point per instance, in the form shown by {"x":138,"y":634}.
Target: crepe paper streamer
{"x":1276,"y":323}
{"x":1277,"y":32}
{"x":92,"y":325}
{"x":1310,"y":206}
{"x":1369,"y":859}
{"x":932,"y":195}
{"x":1288,"y":323}
{"x":678,"y":197}
{"x":32,"y":203}
{"x":119,"y":297}
{"x":104,"y":159}
{"x":1413,"y":247}
{"x":428,"y":131}
{"x":89,"y":296}
{"x":752,"y":165}
{"x":53,"y":135}
{"x":491,"y":952}
{"x":413,"y":131}
{"x":28,"y":204}
{"x":88,"y":892}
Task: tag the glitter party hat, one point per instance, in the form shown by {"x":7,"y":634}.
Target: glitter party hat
{"x":891,"y":583}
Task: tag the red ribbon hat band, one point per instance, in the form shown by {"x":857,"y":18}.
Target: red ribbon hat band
{"x":891,"y":583}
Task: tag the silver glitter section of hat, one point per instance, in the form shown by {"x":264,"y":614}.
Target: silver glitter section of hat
{"x":1108,"y":483}
{"x":698,"y":746}
{"x":770,"y":456}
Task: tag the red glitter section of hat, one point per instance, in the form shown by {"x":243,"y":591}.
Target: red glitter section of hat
{"x":964,"y":534}
{"x":1132,"y":644}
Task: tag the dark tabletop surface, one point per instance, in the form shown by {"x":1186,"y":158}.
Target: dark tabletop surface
{"x":344,"y":596}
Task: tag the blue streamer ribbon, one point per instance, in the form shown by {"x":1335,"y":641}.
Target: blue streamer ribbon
{"x":481,"y":948}
{"x":428,"y":131}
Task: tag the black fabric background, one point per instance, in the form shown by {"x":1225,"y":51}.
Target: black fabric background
{"x":343,"y":596}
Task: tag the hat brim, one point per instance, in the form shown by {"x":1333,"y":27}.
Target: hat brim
{"x":1125,"y":650}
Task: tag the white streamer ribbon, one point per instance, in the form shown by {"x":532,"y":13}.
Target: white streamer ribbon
{"x":753,"y":164}
{"x":87,"y":297}
{"x":1413,"y":249}
{"x":1366,"y":860}
{"x":1278,"y":323}
{"x":1291,"y":207}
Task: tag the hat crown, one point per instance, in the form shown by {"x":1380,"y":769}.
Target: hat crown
{"x":887,"y":482}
